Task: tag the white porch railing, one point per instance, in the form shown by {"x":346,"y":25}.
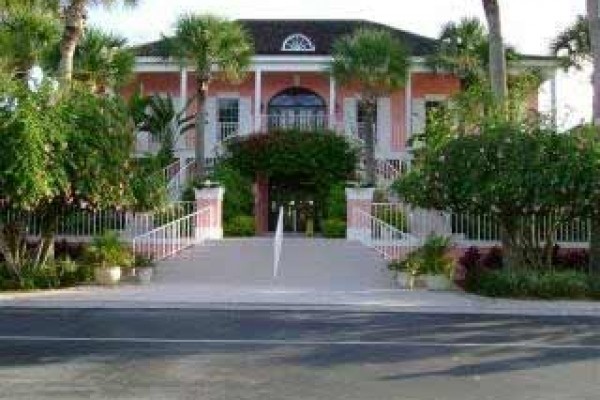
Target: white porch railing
{"x":226,"y":130}
{"x":294,"y":121}
{"x":173,"y":237}
{"x":278,"y":243}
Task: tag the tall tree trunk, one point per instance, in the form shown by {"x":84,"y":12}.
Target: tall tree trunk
{"x":201,"y":128}
{"x":497,"y":61}
{"x":593,"y":12}
{"x":75,"y":17}
{"x":371,"y":110}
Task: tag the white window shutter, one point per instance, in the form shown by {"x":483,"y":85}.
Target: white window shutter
{"x":210,"y":129}
{"x":245,"y":117}
{"x":384,"y":124}
{"x":418,"y":117}
{"x":350,"y":116}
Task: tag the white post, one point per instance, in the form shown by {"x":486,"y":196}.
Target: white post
{"x":332,"y":102}
{"x":358,"y":199}
{"x":183,"y":79}
{"x":554,"y":100}
{"x":257,"y":99}
{"x":408,"y":121}
{"x":211,"y":226}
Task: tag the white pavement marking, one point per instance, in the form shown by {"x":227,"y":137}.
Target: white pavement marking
{"x":266,"y":342}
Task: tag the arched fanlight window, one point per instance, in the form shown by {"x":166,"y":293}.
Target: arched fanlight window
{"x":298,"y":42}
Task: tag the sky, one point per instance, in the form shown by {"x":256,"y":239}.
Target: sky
{"x":529,"y":25}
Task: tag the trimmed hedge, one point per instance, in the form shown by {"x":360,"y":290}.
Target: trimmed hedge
{"x":240,"y":226}
{"x":334,"y":228}
{"x":537,"y":284}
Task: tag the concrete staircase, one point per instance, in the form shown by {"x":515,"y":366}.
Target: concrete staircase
{"x":319,"y":264}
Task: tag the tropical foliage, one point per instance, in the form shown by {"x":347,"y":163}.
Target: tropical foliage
{"x":512,"y":173}
{"x":378,"y":63}
{"x":206,"y":42}
{"x":323,"y":158}
{"x":161,"y":118}
{"x":103,"y":61}
{"x":573,"y":43}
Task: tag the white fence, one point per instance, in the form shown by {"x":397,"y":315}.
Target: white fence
{"x":174,"y":236}
{"x":474,"y":230}
{"x":89,"y":223}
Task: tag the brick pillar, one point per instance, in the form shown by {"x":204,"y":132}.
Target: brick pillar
{"x":210,"y":225}
{"x":261,"y":204}
{"x":357,"y":199}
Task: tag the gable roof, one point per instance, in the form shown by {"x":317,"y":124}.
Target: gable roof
{"x":268,"y":36}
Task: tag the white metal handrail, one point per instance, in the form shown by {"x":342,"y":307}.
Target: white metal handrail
{"x":278,"y":243}
{"x":389,"y":241}
{"x":175,"y":236}
{"x":176,"y":184}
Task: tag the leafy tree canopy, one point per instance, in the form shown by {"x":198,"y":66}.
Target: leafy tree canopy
{"x":319,"y":157}
{"x":506,"y":171}
{"x":374,"y":59}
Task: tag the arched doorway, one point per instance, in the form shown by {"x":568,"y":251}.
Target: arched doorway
{"x":297,"y":108}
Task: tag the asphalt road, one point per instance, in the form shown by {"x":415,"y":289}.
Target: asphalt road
{"x":282,"y":355}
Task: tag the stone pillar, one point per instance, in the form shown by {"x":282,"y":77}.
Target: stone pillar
{"x":210,"y":225}
{"x":357,"y":199}
{"x":261,"y":204}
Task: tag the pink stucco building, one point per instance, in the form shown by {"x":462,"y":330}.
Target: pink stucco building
{"x":288,"y":85}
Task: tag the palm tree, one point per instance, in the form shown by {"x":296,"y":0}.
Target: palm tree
{"x":26,"y":37}
{"x":208,"y":43}
{"x":575,"y":42}
{"x":75,"y":15}
{"x":379,"y":64}
{"x":463,"y":49}
{"x":497,"y":51}
{"x":162,"y":120}
{"x":103,"y":61}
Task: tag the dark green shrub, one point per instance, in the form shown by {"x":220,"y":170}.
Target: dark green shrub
{"x":334,"y":228}
{"x":534,"y":284}
{"x":238,"y":199}
{"x":336,"y":202}
{"x":240,"y":226}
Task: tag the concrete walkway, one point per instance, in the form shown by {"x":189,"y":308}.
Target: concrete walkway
{"x":314,"y":274}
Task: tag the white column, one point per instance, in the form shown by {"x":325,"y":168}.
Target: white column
{"x":332,"y":100}
{"x":408,"y":121}
{"x":554,"y":100}
{"x":183,"y":80}
{"x":257,"y":99}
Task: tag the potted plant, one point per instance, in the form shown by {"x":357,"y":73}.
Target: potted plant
{"x":143,"y":268}
{"x":437,"y":268}
{"x":404,"y":272}
{"x":108,"y":256}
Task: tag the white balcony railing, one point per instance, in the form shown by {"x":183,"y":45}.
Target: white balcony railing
{"x":227,"y":130}
{"x":294,"y":121}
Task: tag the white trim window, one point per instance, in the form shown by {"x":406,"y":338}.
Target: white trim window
{"x":298,"y":42}
{"x":361,"y":121}
{"x":228,"y":117}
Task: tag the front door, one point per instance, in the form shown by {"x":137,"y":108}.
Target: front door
{"x":299,"y":207}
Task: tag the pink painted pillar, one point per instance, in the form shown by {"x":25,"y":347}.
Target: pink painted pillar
{"x":357,"y":199}
{"x":210,"y":224}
